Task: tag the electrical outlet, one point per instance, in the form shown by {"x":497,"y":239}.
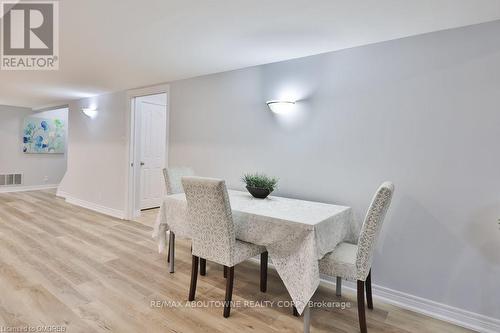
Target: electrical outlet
{"x":45,"y":179}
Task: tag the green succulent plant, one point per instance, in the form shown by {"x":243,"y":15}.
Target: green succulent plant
{"x":260,"y":180}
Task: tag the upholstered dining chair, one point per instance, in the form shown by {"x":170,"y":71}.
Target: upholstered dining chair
{"x":213,"y":235}
{"x":173,"y":185}
{"x":172,"y":177}
{"x":353,"y":261}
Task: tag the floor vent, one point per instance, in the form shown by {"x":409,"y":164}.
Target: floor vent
{"x":11,"y":179}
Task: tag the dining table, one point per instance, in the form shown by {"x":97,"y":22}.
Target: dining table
{"x":296,"y":233}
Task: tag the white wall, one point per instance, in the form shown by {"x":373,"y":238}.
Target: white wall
{"x":35,"y":167}
{"x":97,"y":153}
{"x":421,"y":111}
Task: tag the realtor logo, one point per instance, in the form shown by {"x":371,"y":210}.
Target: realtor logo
{"x":30,"y":35}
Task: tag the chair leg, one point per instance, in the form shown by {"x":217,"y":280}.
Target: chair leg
{"x":229,"y":291}
{"x":171,"y":247}
{"x":361,"y":306}
{"x":225,"y":272}
{"x":263,"y":271}
{"x":338,"y":287}
{"x":368,"y":286}
{"x":168,"y":253}
{"x":203,"y":266}
{"x":194,"y":278}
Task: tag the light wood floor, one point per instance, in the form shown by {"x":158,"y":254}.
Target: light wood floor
{"x":64,"y":265}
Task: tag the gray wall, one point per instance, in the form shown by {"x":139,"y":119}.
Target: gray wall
{"x":421,"y":111}
{"x":35,"y":167}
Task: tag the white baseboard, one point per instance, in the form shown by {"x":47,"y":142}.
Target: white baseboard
{"x":61,"y":194}
{"x":459,"y":317}
{"x":9,"y":189}
{"x":92,"y":205}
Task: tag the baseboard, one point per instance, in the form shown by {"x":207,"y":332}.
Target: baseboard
{"x":61,"y":194}
{"x":459,"y":317}
{"x":92,"y":205}
{"x":10,"y":189}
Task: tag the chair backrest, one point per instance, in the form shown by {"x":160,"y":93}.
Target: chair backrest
{"x":371,"y":228}
{"x":172,"y":177}
{"x":210,"y":218}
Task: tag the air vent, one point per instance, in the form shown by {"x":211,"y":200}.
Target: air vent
{"x":11,"y":179}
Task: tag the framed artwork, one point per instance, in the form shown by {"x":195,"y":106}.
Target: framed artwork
{"x":43,"y":136}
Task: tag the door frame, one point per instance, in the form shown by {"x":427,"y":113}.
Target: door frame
{"x":131,"y":190}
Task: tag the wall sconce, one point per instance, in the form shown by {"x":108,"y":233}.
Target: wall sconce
{"x":90,"y":112}
{"x":280,"y":107}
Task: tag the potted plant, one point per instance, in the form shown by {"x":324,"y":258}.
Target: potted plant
{"x":259,"y":185}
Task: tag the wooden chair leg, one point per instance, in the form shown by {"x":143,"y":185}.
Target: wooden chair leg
{"x":368,"y":286}
{"x":229,"y":291}
{"x":225,"y":272}
{"x":263,"y":271}
{"x":168,"y":253}
{"x":295,"y":312}
{"x":203,"y":266}
{"x":338,"y":287}
{"x":361,"y":306}
{"x":171,"y":247}
{"x":194,"y":278}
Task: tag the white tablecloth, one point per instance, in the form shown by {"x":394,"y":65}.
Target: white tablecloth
{"x":296,"y":233}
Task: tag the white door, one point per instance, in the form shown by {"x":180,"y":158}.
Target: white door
{"x":152,"y":122}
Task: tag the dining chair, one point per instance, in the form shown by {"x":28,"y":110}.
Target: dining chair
{"x":173,"y":185}
{"x":213,"y":234}
{"x":353,"y":261}
{"x":172,"y":177}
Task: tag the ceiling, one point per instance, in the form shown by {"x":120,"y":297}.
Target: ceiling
{"x":115,"y":45}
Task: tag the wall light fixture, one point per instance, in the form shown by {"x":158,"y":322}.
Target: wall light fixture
{"x":280,"y":106}
{"x":90,"y":112}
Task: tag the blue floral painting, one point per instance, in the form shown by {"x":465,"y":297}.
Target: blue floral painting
{"x":43,"y":136}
